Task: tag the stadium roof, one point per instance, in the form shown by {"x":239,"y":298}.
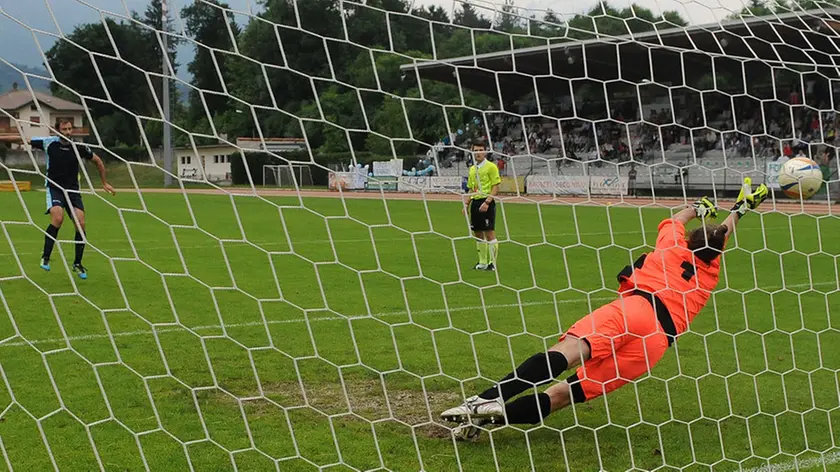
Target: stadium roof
{"x":804,"y":40}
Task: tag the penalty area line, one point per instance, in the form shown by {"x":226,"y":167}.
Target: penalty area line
{"x":169,"y":328}
{"x":139,"y":243}
{"x":173,"y":329}
{"x":799,"y":464}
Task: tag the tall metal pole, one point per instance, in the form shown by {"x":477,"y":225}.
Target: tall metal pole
{"x":167,"y":130}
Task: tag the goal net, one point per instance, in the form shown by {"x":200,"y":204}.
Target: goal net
{"x":253,"y":328}
{"x":290,"y":176}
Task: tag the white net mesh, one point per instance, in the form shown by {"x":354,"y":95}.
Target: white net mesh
{"x":249,"y":328}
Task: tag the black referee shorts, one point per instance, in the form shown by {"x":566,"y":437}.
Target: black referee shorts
{"x":482,"y":221}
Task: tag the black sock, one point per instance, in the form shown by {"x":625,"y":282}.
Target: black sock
{"x":530,"y":409}
{"x":538,"y":369}
{"x":49,"y":241}
{"x":80,"y":248}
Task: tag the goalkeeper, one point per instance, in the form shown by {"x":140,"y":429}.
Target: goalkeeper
{"x":660,"y":294}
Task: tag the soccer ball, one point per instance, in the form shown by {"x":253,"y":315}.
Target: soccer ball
{"x":800,"y":177}
{"x":467,"y":432}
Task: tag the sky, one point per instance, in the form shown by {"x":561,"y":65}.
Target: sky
{"x":18,"y":18}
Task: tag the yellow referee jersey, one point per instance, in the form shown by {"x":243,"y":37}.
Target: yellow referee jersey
{"x":482,"y":179}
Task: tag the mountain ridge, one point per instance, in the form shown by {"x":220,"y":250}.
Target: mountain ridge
{"x":9,"y":76}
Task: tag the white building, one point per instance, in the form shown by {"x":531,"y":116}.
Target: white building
{"x":21,"y":119}
{"x":213,"y":161}
{"x":277,"y":145}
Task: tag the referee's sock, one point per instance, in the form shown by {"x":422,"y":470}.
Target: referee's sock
{"x":483,"y":251}
{"x":538,"y":369}
{"x":493,"y":250}
{"x":529,"y":409}
{"x":49,"y":241}
{"x":80,"y":248}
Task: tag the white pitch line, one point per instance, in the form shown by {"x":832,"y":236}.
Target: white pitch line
{"x":804,"y":464}
{"x":169,"y":329}
{"x":138,"y":244}
{"x":291,"y":321}
{"x":140,"y":247}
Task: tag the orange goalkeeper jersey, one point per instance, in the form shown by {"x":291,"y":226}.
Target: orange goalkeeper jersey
{"x":672,"y":272}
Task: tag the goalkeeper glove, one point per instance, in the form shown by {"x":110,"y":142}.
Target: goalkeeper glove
{"x":749,"y":199}
{"x":704,"y":208}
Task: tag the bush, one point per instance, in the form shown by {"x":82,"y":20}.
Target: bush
{"x":255,"y":161}
{"x":128,"y":153}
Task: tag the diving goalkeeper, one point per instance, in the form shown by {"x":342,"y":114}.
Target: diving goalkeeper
{"x":660,"y":294}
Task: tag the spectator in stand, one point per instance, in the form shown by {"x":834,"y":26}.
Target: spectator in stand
{"x":711,"y":140}
{"x":431,"y":157}
{"x":623,"y":152}
{"x":824,"y":159}
{"x":631,"y":180}
{"x":609,"y":151}
{"x":508,"y":148}
{"x":737,"y":127}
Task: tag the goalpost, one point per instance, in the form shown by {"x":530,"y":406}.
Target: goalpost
{"x":234,"y":329}
{"x":287,"y":175}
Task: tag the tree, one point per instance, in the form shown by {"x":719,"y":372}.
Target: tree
{"x":367,"y":26}
{"x":551,"y":26}
{"x":674,"y":18}
{"x":301,"y":41}
{"x":390,"y":121}
{"x":605,"y":20}
{"x":126,"y":86}
{"x":432,"y":13}
{"x":215,"y":33}
{"x":754,"y":8}
{"x":805,"y":5}
{"x":507,"y":20}
{"x":470,"y":18}
{"x":153,"y":17}
{"x":770,"y":7}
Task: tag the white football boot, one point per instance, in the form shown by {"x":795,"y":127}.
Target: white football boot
{"x":476,"y":410}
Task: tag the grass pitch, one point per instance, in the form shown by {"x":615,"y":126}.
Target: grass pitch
{"x":222,"y":333}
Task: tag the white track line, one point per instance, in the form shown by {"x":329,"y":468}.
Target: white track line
{"x":169,"y":328}
{"x":804,"y":464}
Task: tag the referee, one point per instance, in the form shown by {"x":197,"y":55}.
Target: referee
{"x":480,"y":201}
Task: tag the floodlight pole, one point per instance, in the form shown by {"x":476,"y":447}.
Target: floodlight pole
{"x":167,"y":130}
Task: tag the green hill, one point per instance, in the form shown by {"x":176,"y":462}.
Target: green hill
{"x":8,"y":76}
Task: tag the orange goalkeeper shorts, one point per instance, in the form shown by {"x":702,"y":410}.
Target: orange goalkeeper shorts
{"x":626,"y":341}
